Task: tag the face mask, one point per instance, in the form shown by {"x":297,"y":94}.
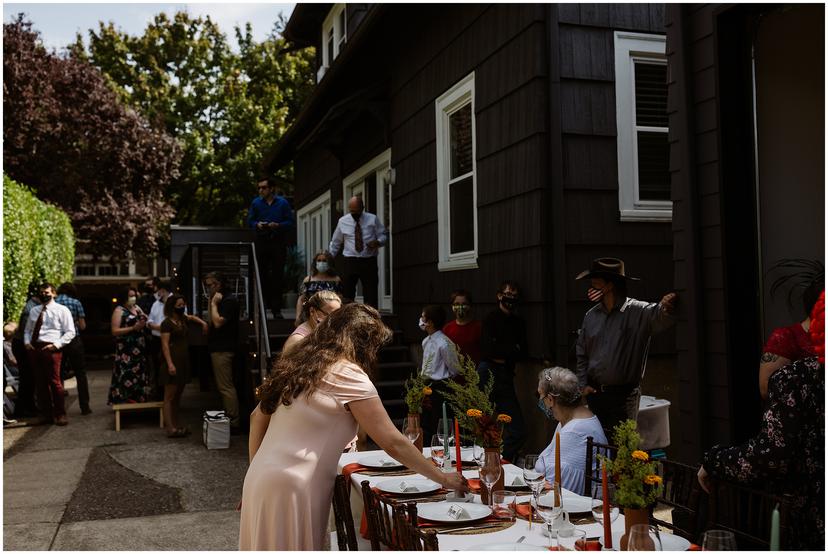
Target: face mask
{"x":460,"y":310}
{"x":509,"y":302}
{"x":45,"y":298}
{"x":595,"y":295}
{"x":322,"y":267}
{"x":181,"y":311}
{"x":131,"y":301}
{"x":422,"y":325}
{"x":546,"y":411}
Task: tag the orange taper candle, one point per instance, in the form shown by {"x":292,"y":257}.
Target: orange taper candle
{"x":605,"y":497}
{"x":558,"y":459}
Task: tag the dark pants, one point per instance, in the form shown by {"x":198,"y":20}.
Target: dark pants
{"x":506,"y":402}
{"x":25,"y":402}
{"x":271,"y":255}
{"x":74,"y":359}
{"x":46,"y":366}
{"x":434,"y":412}
{"x":364,"y":270}
{"x":155,"y":365}
{"x":613,"y":406}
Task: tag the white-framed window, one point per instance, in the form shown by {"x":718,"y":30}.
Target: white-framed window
{"x":641,"y":121}
{"x":314,"y":227}
{"x":334,"y":37}
{"x":457,"y":177}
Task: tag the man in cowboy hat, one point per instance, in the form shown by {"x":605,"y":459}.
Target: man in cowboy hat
{"x":614,"y":340}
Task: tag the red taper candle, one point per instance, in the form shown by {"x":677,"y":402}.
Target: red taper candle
{"x":457,"y":446}
{"x":605,"y":497}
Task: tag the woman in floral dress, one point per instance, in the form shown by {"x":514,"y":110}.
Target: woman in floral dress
{"x":130,"y":375}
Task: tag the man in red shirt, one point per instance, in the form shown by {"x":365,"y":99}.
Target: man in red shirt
{"x":464,"y":331}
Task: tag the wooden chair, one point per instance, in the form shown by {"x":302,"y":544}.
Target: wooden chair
{"x":746,"y":512}
{"x":343,"y":518}
{"x":681,"y":493}
{"x":592,"y":473}
{"x":379,"y":516}
{"x":409,"y":536}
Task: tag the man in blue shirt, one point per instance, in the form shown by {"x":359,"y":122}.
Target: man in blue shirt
{"x":271,"y":217}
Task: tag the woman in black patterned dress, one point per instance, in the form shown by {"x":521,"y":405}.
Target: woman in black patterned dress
{"x":130,"y":374}
{"x":322,"y":277}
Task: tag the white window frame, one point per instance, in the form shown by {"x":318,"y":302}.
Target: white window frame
{"x":322,"y":201}
{"x":629,"y":49}
{"x":340,"y":37}
{"x":458,"y":96}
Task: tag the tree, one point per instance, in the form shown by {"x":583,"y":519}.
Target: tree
{"x":227,"y":109}
{"x":69,"y":137}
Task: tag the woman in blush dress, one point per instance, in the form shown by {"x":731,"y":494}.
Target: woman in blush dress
{"x":315,"y":397}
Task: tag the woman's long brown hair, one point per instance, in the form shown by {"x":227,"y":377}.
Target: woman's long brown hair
{"x":354,"y":333}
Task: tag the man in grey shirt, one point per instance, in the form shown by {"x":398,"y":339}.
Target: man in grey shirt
{"x":614,"y":340}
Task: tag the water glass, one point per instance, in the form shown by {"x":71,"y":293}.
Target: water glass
{"x":643,"y":537}
{"x":717,"y":539}
{"x":598,"y":502}
{"x":490,"y":471}
{"x":411,"y":428}
{"x":438,"y":451}
{"x":569,"y":539}
{"x":503,"y":505}
{"x":549,"y":507}
{"x":533,"y":467}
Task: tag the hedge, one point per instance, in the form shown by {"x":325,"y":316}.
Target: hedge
{"x":38,"y":245}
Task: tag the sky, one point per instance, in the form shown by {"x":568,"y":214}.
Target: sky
{"x":58,"y":23}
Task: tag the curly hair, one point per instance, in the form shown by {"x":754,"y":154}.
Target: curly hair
{"x":562,"y":384}
{"x":354,"y":333}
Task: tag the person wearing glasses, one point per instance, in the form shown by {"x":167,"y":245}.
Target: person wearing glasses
{"x":271,"y":218}
{"x":314,"y":311}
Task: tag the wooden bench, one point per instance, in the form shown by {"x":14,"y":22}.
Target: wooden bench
{"x":118,"y":408}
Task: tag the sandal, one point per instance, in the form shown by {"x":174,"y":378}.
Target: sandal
{"x":176,"y":434}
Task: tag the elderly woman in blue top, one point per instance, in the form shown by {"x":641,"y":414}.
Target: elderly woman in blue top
{"x":271,"y":217}
{"x":560,"y":400}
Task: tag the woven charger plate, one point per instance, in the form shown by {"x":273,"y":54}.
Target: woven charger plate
{"x":501,"y":526}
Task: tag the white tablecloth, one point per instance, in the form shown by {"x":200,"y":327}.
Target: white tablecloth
{"x":535,"y":536}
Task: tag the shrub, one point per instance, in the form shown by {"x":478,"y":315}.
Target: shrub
{"x":38,"y":245}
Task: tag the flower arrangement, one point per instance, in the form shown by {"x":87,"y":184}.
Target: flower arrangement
{"x":417,"y":393}
{"x":637,"y":485}
{"x":472,"y":405}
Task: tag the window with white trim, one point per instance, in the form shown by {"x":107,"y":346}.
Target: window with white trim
{"x":641,"y":121}
{"x":456,"y":177}
{"x":334,"y":37}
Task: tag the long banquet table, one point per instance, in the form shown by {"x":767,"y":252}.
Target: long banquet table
{"x":534,"y":536}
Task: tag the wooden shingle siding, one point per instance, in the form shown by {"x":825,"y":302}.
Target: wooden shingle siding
{"x":586,"y":53}
{"x":629,"y":17}
{"x":588,"y":107}
{"x":590,"y":163}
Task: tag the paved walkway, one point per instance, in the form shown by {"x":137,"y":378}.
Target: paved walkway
{"x":86,"y":487}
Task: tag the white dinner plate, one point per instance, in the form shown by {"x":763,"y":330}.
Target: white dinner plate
{"x":507,"y":546}
{"x":439,"y":512}
{"x":411,"y":486}
{"x":572,"y":503}
{"x":379,"y":461}
{"x":668,"y":541}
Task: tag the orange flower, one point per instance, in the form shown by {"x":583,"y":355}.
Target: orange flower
{"x":474,"y":413}
{"x":503,"y":418}
{"x":427,"y":391}
{"x":640,"y":455}
{"x":652,"y":480}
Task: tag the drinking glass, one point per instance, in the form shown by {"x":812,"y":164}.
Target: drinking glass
{"x":441,"y":429}
{"x":438,"y":452}
{"x":503,"y":505}
{"x":490,"y":471}
{"x":549,"y":507}
{"x":411,"y":428}
{"x":643,"y":537}
{"x":533,"y":473}
{"x":477,"y":452}
{"x":598,"y":502}
{"x":717,"y":539}
{"x":570,"y":539}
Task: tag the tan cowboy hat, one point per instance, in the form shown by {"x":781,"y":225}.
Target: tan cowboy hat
{"x":605,"y":267}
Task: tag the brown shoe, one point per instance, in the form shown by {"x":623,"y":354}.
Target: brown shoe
{"x":61,"y":421}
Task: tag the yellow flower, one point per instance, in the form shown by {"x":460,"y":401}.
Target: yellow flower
{"x":474,"y":413}
{"x":652,"y":480}
{"x":640,"y":455}
{"x":503,"y":418}
{"x":427,"y":391}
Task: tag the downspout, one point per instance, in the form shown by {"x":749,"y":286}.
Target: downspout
{"x":554,"y":265}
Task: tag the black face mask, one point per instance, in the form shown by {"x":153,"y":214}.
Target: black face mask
{"x":509,"y":302}
{"x":45,"y":298}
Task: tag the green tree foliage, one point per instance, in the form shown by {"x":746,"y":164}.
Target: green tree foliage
{"x":226,"y":108}
{"x":38,"y":245}
{"x":67,"y":135}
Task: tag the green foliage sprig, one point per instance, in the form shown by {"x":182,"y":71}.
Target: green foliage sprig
{"x":417,"y":391}
{"x":38,"y":245}
{"x":632,"y":471}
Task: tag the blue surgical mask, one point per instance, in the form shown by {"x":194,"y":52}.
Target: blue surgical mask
{"x":546,"y":411}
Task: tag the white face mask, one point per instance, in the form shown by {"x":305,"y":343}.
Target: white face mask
{"x":322,"y":267}
{"x":422,"y":325}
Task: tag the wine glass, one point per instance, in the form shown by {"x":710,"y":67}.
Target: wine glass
{"x":643,"y":537}
{"x":598,"y":502}
{"x":445,"y":430}
{"x":438,"y":451}
{"x":718,"y":539}
{"x":411,"y":428}
{"x":533,"y":473}
{"x":550,"y":506}
{"x":490,"y":471}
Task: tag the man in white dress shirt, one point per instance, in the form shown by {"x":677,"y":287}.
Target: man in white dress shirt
{"x":49,"y":328}
{"x":439,"y":364}
{"x":359,"y":235}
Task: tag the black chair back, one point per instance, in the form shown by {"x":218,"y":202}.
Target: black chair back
{"x":343,"y":518}
{"x":680,"y":495}
{"x":409,"y":536}
{"x":592,"y":468}
{"x":747,"y":512}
